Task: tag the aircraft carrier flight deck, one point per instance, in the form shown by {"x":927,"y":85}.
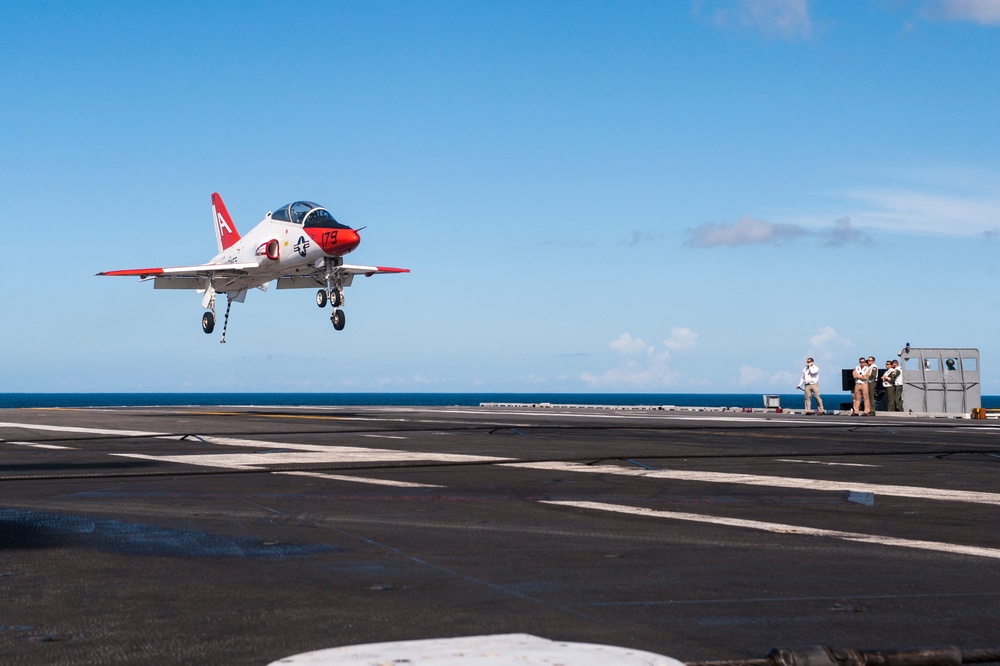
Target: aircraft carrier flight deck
{"x":245,"y":535}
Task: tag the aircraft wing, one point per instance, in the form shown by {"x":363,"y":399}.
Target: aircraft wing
{"x":307,"y":277}
{"x":224,"y":277}
{"x":371,"y":270}
{"x":234,"y":277}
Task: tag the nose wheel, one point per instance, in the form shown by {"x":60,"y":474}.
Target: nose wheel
{"x":208,"y":322}
{"x":335,"y":297}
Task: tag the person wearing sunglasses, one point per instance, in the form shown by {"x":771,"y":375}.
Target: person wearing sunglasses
{"x":861,"y":374}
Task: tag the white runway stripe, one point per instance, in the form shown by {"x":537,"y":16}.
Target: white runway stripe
{"x":361,"y":479}
{"x":87,"y":431}
{"x":823,"y":462}
{"x":285,"y":446}
{"x":36,"y":445}
{"x":314,"y":455}
{"x":940,"y":494}
{"x":779,"y":528}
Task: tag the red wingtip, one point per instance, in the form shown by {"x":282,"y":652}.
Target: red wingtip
{"x":141,"y":272}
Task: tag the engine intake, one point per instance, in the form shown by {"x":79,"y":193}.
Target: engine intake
{"x":271,"y":249}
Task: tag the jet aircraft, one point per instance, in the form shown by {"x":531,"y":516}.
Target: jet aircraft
{"x":299,"y":245}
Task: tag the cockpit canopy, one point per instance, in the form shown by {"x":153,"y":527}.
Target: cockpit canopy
{"x":308,"y":214}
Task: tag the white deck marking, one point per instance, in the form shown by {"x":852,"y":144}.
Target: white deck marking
{"x":385,"y":436}
{"x":284,"y":446}
{"x":940,"y":494}
{"x":305,"y":454}
{"x":88,"y":431}
{"x":360,"y":479}
{"x":623,"y":414}
{"x":251,"y":443}
{"x":36,"y":445}
{"x":780,"y":528}
{"x":823,"y":462}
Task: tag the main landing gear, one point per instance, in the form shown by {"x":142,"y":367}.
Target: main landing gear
{"x":335,"y":297}
{"x":208,"y":319}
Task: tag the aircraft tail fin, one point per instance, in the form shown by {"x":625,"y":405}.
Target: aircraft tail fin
{"x":225,"y":231}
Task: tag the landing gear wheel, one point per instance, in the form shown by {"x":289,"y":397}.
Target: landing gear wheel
{"x":321,"y":298}
{"x":338,"y":320}
{"x":336,"y":298}
{"x":208,"y":322}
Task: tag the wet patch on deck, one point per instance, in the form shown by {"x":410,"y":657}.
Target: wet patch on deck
{"x":30,"y":530}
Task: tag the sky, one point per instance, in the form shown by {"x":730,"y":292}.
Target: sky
{"x":667,"y":197}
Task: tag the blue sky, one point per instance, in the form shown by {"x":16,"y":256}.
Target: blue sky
{"x":685,"y":196}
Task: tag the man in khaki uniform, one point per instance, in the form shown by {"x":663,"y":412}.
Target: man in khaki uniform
{"x":860,"y":374}
{"x":872,"y":385}
{"x":894,"y":392}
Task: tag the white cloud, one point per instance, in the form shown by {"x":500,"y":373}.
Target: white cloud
{"x":782,"y":19}
{"x":626,"y":344}
{"x":784,"y":378}
{"x":950,"y":200}
{"x":984,"y":12}
{"x":655,"y":373}
{"x":681,"y":338}
{"x":750,"y":376}
{"x":745,"y":231}
{"x":759,"y":378}
{"x":751,"y":231}
{"x":827,"y":341}
{"x":913,"y":210}
{"x":842,"y":233}
{"x":651,"y":371}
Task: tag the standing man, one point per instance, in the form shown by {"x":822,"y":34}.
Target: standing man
{"x":889,"y":386}
{"x":861,"y":373}
{"x":810,"y":384}
{"x":872,"y":386}
{"x":898,"y":395}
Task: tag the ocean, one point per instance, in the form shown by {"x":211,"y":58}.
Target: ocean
{"x":794,"y":400}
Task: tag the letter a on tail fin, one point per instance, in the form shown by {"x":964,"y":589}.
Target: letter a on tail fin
{"x":225,"y":230}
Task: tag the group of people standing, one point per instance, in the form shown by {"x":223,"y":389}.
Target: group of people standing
{"x":866,"y":383}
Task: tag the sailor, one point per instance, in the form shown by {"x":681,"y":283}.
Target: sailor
{"x":872,"y":386}
{"x":889,"y":386}
{"x":898,"y":393}
{"x":860,"y":374}
{"x":810,"y":384}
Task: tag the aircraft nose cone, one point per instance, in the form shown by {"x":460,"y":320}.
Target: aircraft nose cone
{"x":351,"y":240}
{"x":335,"y":242}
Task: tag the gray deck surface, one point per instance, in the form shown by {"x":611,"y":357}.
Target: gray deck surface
{"x":243,"y":535}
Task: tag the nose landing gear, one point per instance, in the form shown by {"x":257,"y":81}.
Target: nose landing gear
{"x":335,"y":297}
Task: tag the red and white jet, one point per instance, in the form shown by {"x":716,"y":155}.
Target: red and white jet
{"x":299,"y":245}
